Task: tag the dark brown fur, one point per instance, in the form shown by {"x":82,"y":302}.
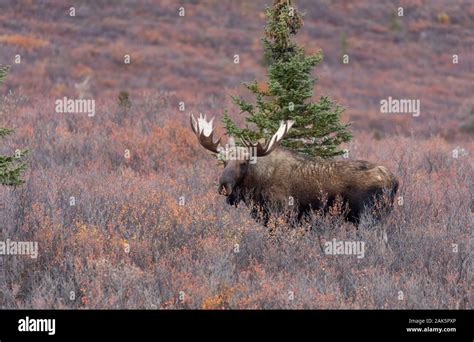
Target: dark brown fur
{"x":312,"y":183}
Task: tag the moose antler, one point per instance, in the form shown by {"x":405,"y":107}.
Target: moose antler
{"x":268,"y":147}
{"x":204,"y":131}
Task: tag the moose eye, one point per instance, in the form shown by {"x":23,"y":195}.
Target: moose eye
{"x":243,"y":167}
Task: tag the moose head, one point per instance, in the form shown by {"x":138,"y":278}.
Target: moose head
{"x":236,"y":158}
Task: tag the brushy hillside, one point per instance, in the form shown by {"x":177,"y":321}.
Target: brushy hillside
{"x":193,"y":56}
{"x":128,"y":243}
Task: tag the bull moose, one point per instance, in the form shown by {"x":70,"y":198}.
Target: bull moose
{"x":277,"y":176}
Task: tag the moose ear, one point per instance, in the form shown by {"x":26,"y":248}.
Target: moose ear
{"x":231,"y":141}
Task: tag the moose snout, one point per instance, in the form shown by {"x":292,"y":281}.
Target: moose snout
{"x":225,"y":189}
{"x":226,"y":184}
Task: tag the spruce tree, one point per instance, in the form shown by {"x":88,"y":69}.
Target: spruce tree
{"x":317,"y":130}
{"x":11,"y":167}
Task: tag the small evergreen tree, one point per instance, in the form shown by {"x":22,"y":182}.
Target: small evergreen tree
{"x":317,"y":130}
{"x":123,"y":101}
{"x":10,"y":166}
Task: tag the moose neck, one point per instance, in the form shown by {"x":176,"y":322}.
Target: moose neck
{"x":263,"y":171}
